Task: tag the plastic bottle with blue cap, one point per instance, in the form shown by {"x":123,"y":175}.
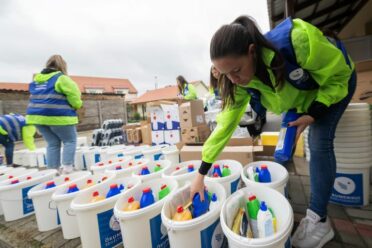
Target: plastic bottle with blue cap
{"x":213,"y":203}
{"x":50,"y":184}
{"x":114,"y":190}
{"x":200,"y":207}
{"x":72,"y":188}
{"x":145,"y":170}
{"x":147,"y":197}
{"x":217,"y":169}
{"x":264,"y":221}
{"x":264,"y":176}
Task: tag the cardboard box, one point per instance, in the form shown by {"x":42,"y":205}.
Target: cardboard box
{"x":146,"y":134}
{"x":157,"y":137}
{"x":171,"y":117}
{"x":192,"y":114}
{"x":130,"y":136}
{"x":195,"y":134}
{"x":137,"y":137}
{"x":243,"y":154}
{"x":157,"y":118}
{"x":172,"y":137}
{"x":363,"y":92}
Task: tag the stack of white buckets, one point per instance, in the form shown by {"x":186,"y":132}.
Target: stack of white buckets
{"x":353,"y":152}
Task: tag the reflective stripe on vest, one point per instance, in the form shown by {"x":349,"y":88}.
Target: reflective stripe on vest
{"x":13,"y":125}
{"x":46,"y":101}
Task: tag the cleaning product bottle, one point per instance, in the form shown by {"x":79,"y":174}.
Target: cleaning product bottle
{"x":264,"y":222}
{"x":182,"y":214}
{"x":226,"y":171}
{"x":253,"y":206}
{"x":29,"y":178}
{"x":251,"y":173}
{"x":118,"y":167}
{"x":147,"y":197}
{"x":132,"y":204}
{"x":164,"y":191}
{"x":190,"y":168}
{"x":14,"y":181}
{"x":200,"y":207}
{"x":89,"y":183}
{"x":287,"y":138}
{"x":213,"y":203}
{"x":264,"y":176}
{"x":50,"y":184}
{"x":96,"y":197}
{"x":157,"y":167}
{"x":145,"y":170}
{"x":10,"y":177}
{"x":72,"y":188}
{"x":216,"y":169}
{"x":114,"y":190}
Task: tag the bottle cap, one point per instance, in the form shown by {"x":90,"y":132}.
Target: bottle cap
{"x":146,"y":190}
{"x":145,"y":168}
{"x":118,"y":167}
{"x":190,"y":166}
{"x":163,"y":186}
{"x":179,"y":209}
{"x":72,"y":186}
{"x":216,"y":166}
{"x":14,"y":181}
{"x":95,"y":194}
{"x":263,"y":206}
{"x":113,"y":186}
{"x":177,"y":168}
{"x":29,"y":177}
{"x":225,"y":166}
{"x":131,"y":199}
{"x":158,"y":165}
{"x":89,"y":181}
{"x":101,"y":164}
{"x":110,"y":161}
{"x":104,"y":178}
{"x":214,"y":197}
{"x":252,"y":197}
{"x":130,"y":163}
{"x":139,"y":162}
{"x":215,"y":174}
{"x":10,"y":177}
{"x":264,"y":166}
{"x":67,"y":179}
{"x":50,"y":183}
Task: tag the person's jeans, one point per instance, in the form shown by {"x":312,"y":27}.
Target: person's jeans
{"x":9,"y":148}
{"x":322,"y":156}
{"x":54,"y":135}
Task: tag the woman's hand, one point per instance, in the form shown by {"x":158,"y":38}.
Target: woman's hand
{"x":301,"y":124}
{"x":197,"y":186}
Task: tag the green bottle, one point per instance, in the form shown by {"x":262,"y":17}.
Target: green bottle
{"x":226,"y":171}
{"x":157,"y":167}
{"x":164,"y":191}
{"x":253,"y":206}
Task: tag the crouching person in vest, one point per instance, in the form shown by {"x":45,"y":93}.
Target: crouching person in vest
{"x":294,"y":66}
{"x":13,"y":128}
{"x":186,"y":90}
{"x":54,"y":99}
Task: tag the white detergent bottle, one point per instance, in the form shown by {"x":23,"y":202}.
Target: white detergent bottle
{"x":264,"y":221}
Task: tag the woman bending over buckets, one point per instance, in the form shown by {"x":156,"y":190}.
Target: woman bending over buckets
{"x":186,"y":90}
{"x":294,"y":66}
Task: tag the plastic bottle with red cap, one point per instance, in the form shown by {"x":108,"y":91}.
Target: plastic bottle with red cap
{"x":145,"y":170}
{"x":190,"y":168}
{"x":114,"y":190}
{"x":264,"y":176}
{"x":29,"y":178}
{"x":50,"y":184}
{"x":147,"y":197}
{"x":118,"y":167}
{"x":10,"y":177}
{"x":157,"y":167}
{"x":72,"y":188}
{"x":89,"y":183}
{"x":67,"y":179}
{"x":96,"y":197}
{"x":131,"y":205}
{"x":217,"y":169}
{"x":14,"y":181}
{"x":226,"y":171}
{"x":164,"y":191}
{"x":182,"y":214}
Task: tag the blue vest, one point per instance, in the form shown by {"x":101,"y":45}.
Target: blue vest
{"x":298,"y":77}
{"x":46,"y":101}
{"x":13,"y":124}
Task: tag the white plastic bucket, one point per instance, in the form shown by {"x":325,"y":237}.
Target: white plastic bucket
{"x":97,"y":224}
{"x":101,"y":167}
{"x":135,"y":153}
{"x":146,"y":220}
{"x":151,"y":166}
{"x":204,"y":231}
{"x":63,"y":200}
{"x":13,"y":197}
{"x":280,"y":206}
{"x":89,"y":157}
{"x":80,"y":163}
{"x":180,"y":172}
{"x":351,"y":186}
{"x":19,"y":157}
{"x":47,"y":216}
{"x":127,"y":168}
{"x":171,"y":154}
{"x":279,"y":176}
{"x":16,"y":172}
{"x":152,"y":153}
{"x":230,"y":183}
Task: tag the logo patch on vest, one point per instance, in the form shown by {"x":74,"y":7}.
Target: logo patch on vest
{"x":296,"y":74}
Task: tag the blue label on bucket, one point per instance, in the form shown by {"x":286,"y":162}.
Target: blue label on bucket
{"x":234,"y":185}
{"x":138,"y":156}
{"x":109,"y":229}
{"x":97,"y":157}
{"x":348,"y":189}
{"x":159,"y":234}
{"x":28,"y":206}
{"x":157,"y":156}
{"x":212,"y":236}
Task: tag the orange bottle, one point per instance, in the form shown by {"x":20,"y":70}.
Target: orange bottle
{"x":132,"y":205}
{"x":96,"y":197}
{"x":182,"y":214}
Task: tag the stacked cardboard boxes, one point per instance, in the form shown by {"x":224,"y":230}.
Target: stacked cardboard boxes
{"x":192,"y":120}
{"x":133,"y":132}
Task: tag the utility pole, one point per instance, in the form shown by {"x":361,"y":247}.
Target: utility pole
{"x":156,"y":82}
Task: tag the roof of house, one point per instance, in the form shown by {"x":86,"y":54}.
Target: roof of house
{"x":107,"y":84}
{"x":166,"y":93}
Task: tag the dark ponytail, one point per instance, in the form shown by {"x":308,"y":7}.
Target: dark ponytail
{"x":234,"y":40}
{"x":182,"y":83}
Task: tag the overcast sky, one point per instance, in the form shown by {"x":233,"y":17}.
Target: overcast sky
{"x":134,"y":39}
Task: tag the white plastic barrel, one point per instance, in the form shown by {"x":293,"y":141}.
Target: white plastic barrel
{"x":127,"y":168}
{"x":97,"y":224}
{"x":152,"y":153}
{"x":63,"y":200}
{"x":13,"y":197}
{"x":80,"y":163}
{"x":180,"y":172}
{"x":171,"y":154}
{"x":276,"y":201}
{"x":135,"y":153}
{"x":101,"y":167}
{"x":47,"y":216}
{"x":146,"y":221}
{"x":151,"y":166}
{"x":89,"y":157}
{"x":204,"y":231}
{"x":230,"y":183}
{"x":279,"y":176}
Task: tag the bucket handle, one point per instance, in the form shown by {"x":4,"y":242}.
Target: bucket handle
{"x":70,"y":212}
{"x":50,"y":205}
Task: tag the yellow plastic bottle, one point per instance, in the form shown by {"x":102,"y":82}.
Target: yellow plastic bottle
{"x":182,"y":214}
{"x":89,"y":184}
{"x":96,"y":197}
{"x":132,"y":205}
